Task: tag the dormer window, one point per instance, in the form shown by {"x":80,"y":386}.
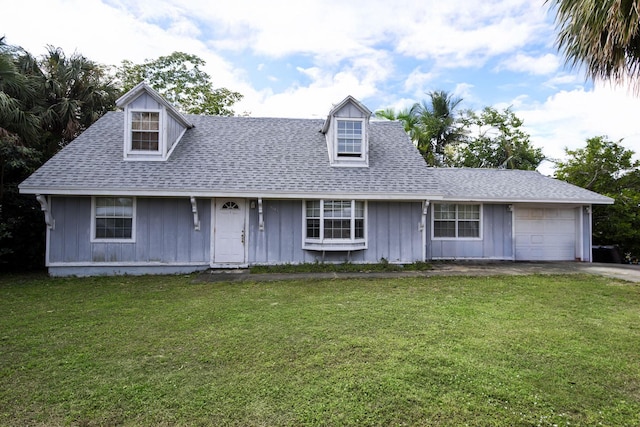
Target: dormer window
{"x":145,"y":131}
{"x":152,"y":126}
{"x":349,"y":138}
{"x":346,"y":133}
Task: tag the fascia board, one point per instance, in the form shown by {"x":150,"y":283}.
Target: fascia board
{"x":211,"y":194}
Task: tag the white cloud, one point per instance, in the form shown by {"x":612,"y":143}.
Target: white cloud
{"x":541,"y":65}
{"x":568,"y":118}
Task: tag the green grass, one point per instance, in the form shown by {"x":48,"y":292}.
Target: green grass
{"x":346,"y":267}
{"x":448,"y":351}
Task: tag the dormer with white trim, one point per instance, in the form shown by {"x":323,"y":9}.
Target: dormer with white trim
{"x":347,"y":134}
{"x":152,"y":127}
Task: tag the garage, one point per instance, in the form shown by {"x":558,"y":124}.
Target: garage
{"x":545,"y":234}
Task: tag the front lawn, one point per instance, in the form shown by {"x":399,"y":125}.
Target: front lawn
{"x":499,"y":351}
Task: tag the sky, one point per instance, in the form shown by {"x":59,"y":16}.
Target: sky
{"x":298,"y":58}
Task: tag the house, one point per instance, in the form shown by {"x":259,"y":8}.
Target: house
{"x":150,"y":190}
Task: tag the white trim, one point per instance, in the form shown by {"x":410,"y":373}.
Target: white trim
{"x":349,"y":161}
{"x":580,"y":232}
{"x":459,"y":239}
{"x":194,"y":211}
{"x":94,"y":239}
{"x":129,"y":152}
{"x":239,"y":194}
{"x":44,"y":207}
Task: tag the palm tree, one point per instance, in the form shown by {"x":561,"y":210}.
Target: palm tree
{"x":432,"y":124}
{"x":77,"y":93}
{"x":602,"y":35}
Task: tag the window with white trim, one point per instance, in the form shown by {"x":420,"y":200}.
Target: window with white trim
{"x":145,"y":131}
{"x":113,"y":218}
{"x":349,"y":138}
{"x":456,"y":221}
{"x":334,"y":224}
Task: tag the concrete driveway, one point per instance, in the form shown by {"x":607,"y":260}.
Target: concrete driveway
{"x":627,"y":272}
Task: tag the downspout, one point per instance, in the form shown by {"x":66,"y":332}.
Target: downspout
{"x":422,"y":226}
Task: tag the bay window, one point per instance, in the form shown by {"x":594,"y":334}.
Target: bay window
{"x":334,"y":224}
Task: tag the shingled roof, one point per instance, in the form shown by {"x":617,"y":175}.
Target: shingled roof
{"x":241,"y":156}
{"x":504,"y":185}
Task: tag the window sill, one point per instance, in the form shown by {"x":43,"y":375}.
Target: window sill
{"x":334,"y":246}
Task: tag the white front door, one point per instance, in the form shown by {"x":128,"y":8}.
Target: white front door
{"x":229,"y":232}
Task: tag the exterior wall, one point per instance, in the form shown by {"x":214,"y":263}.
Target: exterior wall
{"x":587,"y":242}
{"x":392,"y":228}
{"x":496,"y":242}
{"x":164,"y":236}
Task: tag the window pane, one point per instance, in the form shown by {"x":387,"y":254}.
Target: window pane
{"x":359,"y":229}
{"x":114,"y":217}
{"x":337,"y":229}
{"x":444,"y":211}
{"x":444,"y":229}
{"x":313,"y":209}
{"x":468,"y":211}
{"x":337,"y":209}
{"x":359,"y":210}
{"x":113,"y":228}
{"x":145,"y":141}
{"x":469,"y":229}
{"x":349,"y":137}
{"x":313,"y":228}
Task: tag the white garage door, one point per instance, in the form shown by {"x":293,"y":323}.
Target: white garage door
{"x":545,"y":234}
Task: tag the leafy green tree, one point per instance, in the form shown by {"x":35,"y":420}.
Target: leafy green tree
{"x":601,"y":35}
{"x":179,"y":78}
{"x":608,"y":168}
{"x":499,"y":142}
{"x":432,"y":124}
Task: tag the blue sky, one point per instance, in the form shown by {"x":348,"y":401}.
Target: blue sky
{"x":298,"y":58}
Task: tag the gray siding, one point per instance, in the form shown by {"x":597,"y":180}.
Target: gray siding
{"x":145,"y":102}
{"x":496,"y":242}
{"x":393,"y":234}
{"x":586,"y":234}
{"x":164,"y":233}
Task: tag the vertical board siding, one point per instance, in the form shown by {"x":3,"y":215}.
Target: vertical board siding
{"x":164,"y":233}
{"x":392,"y":231}
{"x":145,"y":102}
{"x":496,"y":242}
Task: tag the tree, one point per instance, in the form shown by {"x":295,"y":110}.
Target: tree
{"x":608,"y":168}
{"x":180,"y":80}
{"x":77,"y":91}
{"x":499,"y":142}
{"x":44,"y":104}
{"x":602,"y":35}
{"x":432,"y":125}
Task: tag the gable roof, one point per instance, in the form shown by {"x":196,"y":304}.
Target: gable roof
{"x":141,"y":87}
{"x":511,"y":186}
{"x":242,"y":156}
{"x":348,"y":100}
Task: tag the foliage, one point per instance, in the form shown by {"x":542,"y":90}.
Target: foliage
{"x":77,"y":92}
{"x":432,"y":125}
{"x":491,"y":351}
{"x":44,"y":104}
{"x":179,"y":78}
{"x":499,"y":142}
{"x":608,"y":168}
{"x":601,"y":35}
